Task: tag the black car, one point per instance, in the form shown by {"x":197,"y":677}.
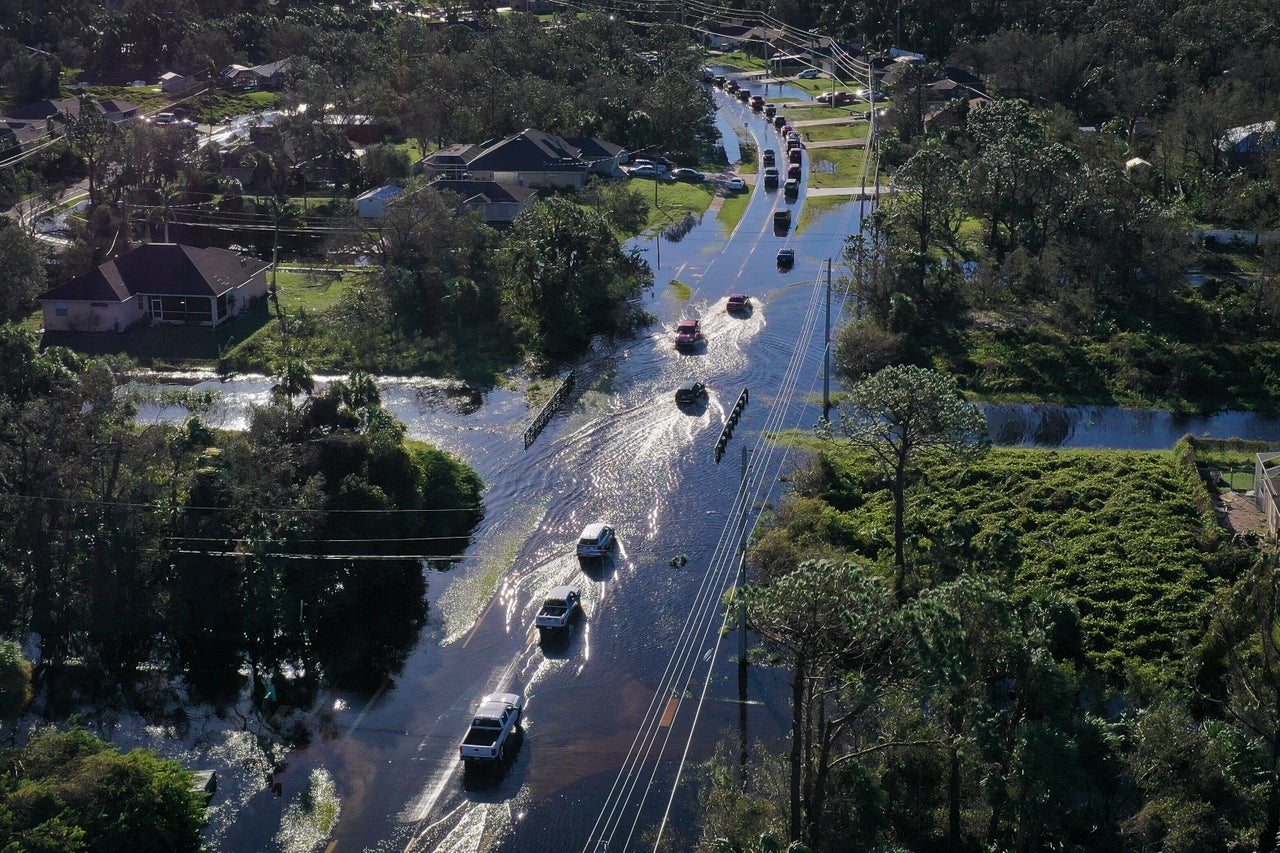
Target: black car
{"x":779,"y":122}
{"x":791,"y":188}
{"x":692,"y":175}
{"x":690,"y":394}
{"x":770,"y":157}
{"x":771,"y":178}
{"x":782,"y":219}
{"x":786,"y":258}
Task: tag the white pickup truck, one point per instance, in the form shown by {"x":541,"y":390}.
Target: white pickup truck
{"x":558,"y":608}
{"x":491,"y":727}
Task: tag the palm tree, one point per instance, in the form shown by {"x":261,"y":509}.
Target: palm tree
{"x":163,"y":211}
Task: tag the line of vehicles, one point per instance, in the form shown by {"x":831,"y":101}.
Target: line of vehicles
{"x":496,"y":723}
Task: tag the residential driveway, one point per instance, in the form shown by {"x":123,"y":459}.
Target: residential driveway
{"x":838,"y":143}
{"x":813,"y":122}
{"x":861,"y":192}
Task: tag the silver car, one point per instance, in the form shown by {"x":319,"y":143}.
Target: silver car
{"x":595,"y":540}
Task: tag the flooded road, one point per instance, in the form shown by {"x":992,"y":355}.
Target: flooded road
{"x":610,"y":713}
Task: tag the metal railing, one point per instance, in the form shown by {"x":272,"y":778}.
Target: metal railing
{"x":548,"y":409}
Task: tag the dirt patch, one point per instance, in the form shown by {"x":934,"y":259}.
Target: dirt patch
{"x":1238,"y":513}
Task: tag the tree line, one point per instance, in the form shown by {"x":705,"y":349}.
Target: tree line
{"x":1011,"y":650}
{"x":294,"y":543}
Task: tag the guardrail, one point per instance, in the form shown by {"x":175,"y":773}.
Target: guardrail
{"x":548,"y":409}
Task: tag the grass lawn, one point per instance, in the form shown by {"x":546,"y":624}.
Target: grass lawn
{"x":674,"y":201}
{"x":734,"y":206}
{"x":825,"y":132}
{"x":160,"y":347}
{"x":219,"y":105}
{"x":818,"y":111}
{"x":750,"y":164}
{"x":837,"y":167}
{"x":314,"y":291}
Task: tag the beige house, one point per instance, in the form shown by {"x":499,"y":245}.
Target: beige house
{"x":160,"y":283}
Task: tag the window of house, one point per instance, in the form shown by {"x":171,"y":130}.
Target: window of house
{"x":60,"y":309}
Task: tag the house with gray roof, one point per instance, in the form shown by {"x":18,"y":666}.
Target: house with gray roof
{"x":530,"y":158}
{"x":159,"y":283}
{"x":496,"y":203}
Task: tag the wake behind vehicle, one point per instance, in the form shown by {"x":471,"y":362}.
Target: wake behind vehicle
{"x":491,"y":727}
{"x":558,"y":609}
{"x":688,"y":334}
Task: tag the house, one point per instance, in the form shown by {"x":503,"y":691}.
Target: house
{"x":157,"y":283}
{"x":603,"y":158}
{"x":72,"y":108}
{"x":1137,"y":169}
{"x":450,"y":162}
{"x":372,"y":204}
{"x":496,"y":202}
{"x":16,"y":135}
{"x":118,"y":111}
{"x":174,"y":84}
{"x":241,"y":78}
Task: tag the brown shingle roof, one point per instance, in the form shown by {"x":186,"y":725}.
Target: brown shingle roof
{"x":161,"y":268}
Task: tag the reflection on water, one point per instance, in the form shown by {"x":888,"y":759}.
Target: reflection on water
{"x":1121,"y":429}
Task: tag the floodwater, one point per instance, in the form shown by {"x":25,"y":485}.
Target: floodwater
{"x":610,"y":721}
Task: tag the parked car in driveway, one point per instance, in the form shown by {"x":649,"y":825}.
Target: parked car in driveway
{"x":647,"y":170}
{"x":809,"y":74}
{"x":595,"y":540}
{"x":689,"y":175}
{"x":737,"y":185}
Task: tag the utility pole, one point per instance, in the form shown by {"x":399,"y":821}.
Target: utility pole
{"x":742,"y":563}
{"x":826,"y":354}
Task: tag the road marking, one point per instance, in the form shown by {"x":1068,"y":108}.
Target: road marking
{"x":669,"y":715}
